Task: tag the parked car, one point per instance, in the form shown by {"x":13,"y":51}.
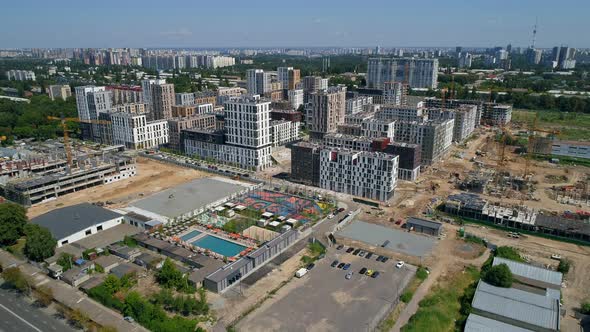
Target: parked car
{"x":346,"y":267}
{"x":369,"y":255}
{"x":129,"y":319}
{"x":375,"y":274}
{"x":349,"y":213}
{"x":340,"y":210}
{"x":341,"y":265}
{"x":349,"y":275}
{"x":356,"y":252}
{"x":334,"y":263}
{"x":340,"y":247}
{"x":349,"y":250}
{"x":384,"y":259}
{"x":330,"y":216}
{"x":400,"y":264}
{"x":369,"y":272}
{"x":310,"y":266}
{"x":362,"y":253}
{"x":363,"y":270}
{"x":379,"y":258}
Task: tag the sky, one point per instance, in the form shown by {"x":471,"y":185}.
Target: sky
{"x":293,"y":23}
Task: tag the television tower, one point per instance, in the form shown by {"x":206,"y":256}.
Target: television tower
{"x":534,"y":33}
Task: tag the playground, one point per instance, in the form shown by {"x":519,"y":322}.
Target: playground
{"x":284,"y":205}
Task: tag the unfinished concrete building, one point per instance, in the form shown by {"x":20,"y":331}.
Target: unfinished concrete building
{"x":91,"y":171}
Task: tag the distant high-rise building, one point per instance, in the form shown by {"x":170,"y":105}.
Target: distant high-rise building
{"x":146,"y":88}
{"x":59,"y":91}
{"x":258,"y":81}
{"x":20,"y":75}
{"x":163,"y":98}
{"x":90,"y":102}
{"x":564,"y":57}
{"x":328,"y":109}
{"x":421,"y":73}
{"x":465,"y":60}
{"x":533,"y":55}
{"x":289,"y":77}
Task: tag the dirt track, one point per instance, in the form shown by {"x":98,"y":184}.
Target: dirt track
{"x":152,"y":176}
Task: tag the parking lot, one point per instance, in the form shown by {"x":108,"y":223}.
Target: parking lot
{"x":324,"y":300}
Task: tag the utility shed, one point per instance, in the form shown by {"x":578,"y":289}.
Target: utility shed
{"x":420,"y":225}
{"x":532,"y":275}
{"x":517,"y":307}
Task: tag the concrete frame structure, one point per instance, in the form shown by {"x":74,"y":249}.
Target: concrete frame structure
{"x":59,"y":91}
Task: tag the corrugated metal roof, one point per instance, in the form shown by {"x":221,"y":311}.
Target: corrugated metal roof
{"x":531,"y":272}
{"x":477,"y":323}
{"x":424,"y":223}
{"x":534,"y":309}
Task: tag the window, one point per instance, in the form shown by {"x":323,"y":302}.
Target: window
{"x":99,"y":228}
{"x":88,"y":231}
{"x":64,"y":242}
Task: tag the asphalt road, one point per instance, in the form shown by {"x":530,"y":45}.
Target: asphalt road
{"x":17,"y":314}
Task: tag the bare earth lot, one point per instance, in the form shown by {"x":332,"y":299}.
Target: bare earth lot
{"x":152,"y":177}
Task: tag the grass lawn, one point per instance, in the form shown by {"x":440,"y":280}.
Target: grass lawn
{"x":238,"y":224}
{"x":17,"y":248}
{"x":573,"y":126}
{"x":441,"y":308}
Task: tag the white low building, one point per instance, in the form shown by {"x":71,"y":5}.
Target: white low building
{"x":76,"y":222}
{"x":135,"y":132}
{"x":576,"y":149}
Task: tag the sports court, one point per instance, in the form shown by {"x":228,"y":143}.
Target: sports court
{"x":280,"y":204}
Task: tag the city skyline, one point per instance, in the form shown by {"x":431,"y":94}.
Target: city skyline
{"x":182,"y":24}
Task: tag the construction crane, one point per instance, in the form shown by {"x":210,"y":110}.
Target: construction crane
{"x":64,"y":125}
{"x":532,"y":135}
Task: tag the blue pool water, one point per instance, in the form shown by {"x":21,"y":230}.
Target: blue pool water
{"x":190,"y":235}
{"x":220,"y":246}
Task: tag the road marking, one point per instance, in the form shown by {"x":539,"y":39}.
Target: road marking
{"x":19,"y":317}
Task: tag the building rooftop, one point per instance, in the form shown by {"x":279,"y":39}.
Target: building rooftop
{"x":424,"y":222}
{"x":72,"y":219}
{"x":190,"y":196}
{"x":477,"y":323}
{"x":531,"y":272}
{"x":518,"y":305}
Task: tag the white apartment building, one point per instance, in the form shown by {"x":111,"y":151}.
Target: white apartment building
{"x":465,"y":117}
{"x":283,"y":132}
{"x":135,"y":132}
{"x":421,"y":73}
{"x":375,"y":128}
{"x":204,"y":108}
{"x":247,"y":125}
{"x":358,"y":104}
{"x":20,"y":75}
{"x":392,"y":93}
{"x":258,"y":82}
{"x":185,"y":99}
{"x":370,"y":175}
{"x":295,"y":98}
{"x":59,"y":91}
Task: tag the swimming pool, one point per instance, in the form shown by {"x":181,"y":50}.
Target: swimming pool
{"x":220,"y":246}
{"x":190,"y":235}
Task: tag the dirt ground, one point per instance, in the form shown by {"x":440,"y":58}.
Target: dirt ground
{"x":152,"y":177}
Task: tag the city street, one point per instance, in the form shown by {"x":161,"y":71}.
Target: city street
{"x":19,"y":314}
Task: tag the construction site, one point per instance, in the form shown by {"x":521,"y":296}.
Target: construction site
{"x":45,"y":171}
